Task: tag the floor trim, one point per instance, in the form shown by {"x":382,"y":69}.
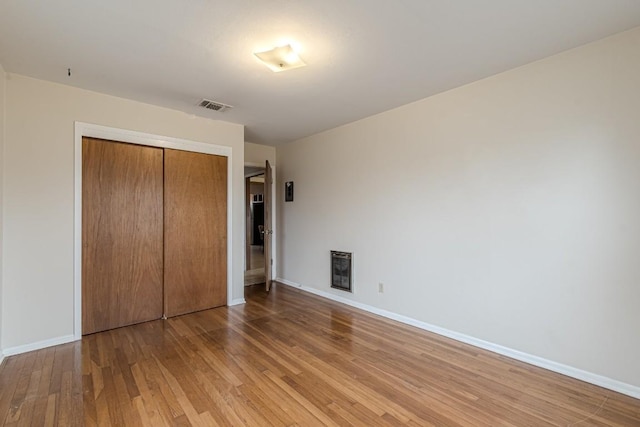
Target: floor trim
{"x":599,"y":380}
{"x":237,"y":301}
{"x":38,"y":345}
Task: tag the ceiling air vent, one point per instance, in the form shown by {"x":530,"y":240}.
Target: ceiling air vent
{"x":213,"y":105}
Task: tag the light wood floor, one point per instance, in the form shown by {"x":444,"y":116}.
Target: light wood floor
{"x":257,"y":257}
{"x":285,"y":359}
{"x":255,"y":274}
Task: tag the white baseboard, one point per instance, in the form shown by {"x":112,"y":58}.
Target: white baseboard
{"x":237,"y":301}
{"x":599,"y":380}
{"x":38,"y":345}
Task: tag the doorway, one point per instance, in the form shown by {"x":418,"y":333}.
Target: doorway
{"x":255,"y":210}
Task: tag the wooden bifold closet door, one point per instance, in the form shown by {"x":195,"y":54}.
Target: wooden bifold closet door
{"x":154,"y":233}
{"x":195,"y":231}
{"x":122,"y":229}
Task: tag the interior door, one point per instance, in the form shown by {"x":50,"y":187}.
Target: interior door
{"x":195,"y":231}
{"x":121,"y":234}
{"x":268,"y":227}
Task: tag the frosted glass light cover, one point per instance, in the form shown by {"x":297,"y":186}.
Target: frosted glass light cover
{"x":280,"y":58}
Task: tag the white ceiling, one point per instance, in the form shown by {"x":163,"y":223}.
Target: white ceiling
{"x":363,"y":56}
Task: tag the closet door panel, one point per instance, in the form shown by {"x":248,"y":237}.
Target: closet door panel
{"x":122,"y":232}
{"x":195,"y":231}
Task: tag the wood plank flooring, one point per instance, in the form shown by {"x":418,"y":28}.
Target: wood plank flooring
{"x":288,"y":358}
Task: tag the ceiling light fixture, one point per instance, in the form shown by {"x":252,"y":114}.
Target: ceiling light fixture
{"x":280,"y":58}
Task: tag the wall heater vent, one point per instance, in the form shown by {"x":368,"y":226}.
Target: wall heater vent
{"x":342,"y":270}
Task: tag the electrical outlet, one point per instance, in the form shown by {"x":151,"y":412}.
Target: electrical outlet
{"x":381,"y":287}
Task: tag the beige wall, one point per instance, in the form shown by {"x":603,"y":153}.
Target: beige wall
{"x":257,"y":154}
{"x":2,"y":108}
{"x":506,"y":210}
{"x":257,"y":187}
{"x":39,"y":195}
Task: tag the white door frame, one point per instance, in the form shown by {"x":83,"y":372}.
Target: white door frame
{"x":150,"y":140}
